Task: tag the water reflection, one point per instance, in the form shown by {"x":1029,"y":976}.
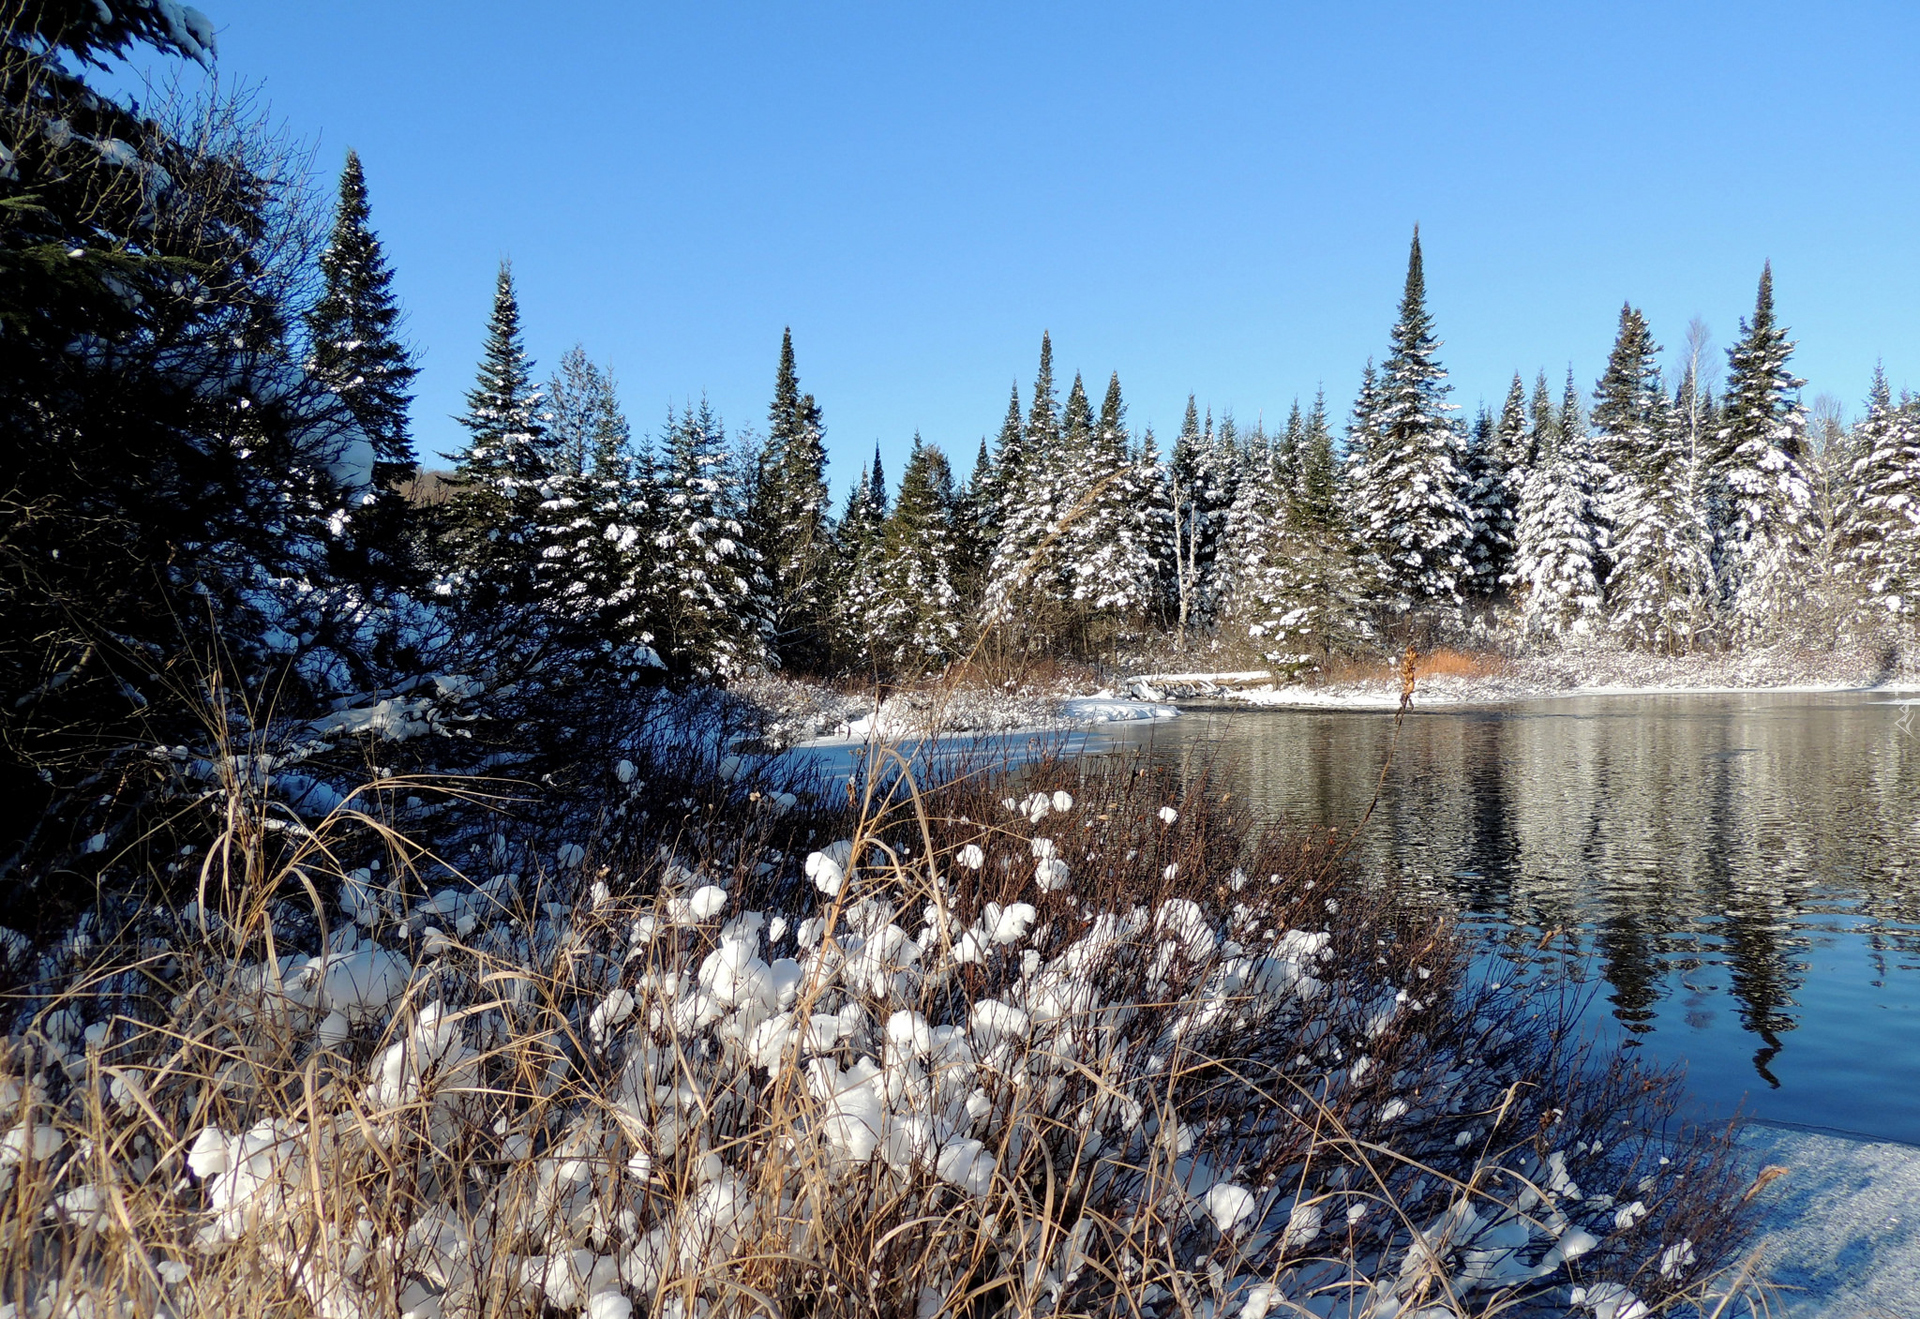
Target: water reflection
{"x":1739,"y":869}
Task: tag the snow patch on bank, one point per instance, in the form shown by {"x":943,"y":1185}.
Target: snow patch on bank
{"x":1842,"y":1226}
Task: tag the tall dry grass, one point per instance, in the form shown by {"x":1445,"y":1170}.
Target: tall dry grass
{"x":528,"y":1090}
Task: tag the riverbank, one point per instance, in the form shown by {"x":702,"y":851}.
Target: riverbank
{"x":1455,"y":679}
{"x":1842,"y":1223}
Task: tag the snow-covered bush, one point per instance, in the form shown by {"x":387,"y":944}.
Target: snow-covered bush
{"x":955,"y":1054}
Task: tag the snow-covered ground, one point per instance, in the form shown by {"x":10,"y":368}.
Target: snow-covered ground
{"x":1607,"y":672}
{"x":1842,"y":1225}
{"x":801,"y":714}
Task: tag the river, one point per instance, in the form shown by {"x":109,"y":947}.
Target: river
{"x":1738,"y":875}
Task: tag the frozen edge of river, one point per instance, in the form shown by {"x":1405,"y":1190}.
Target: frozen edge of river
{"x":1455,"y":692}
{"x":1842,"y":1227}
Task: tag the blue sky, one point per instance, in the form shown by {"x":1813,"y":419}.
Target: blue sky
{"x":1214,"y":199}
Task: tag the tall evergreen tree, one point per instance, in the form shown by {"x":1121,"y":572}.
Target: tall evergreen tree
{"x":1200,"y":484}
{"x":859,"y":638}
{"x":1110,"y":543}
{"x":1660,"y":579}
{"x":354,"y":330}
{"x":1555,"y":580}
{"x":1767,"y":500}
{"x":916,"y":616}
{"x":1497,"y":489}
{"x":1418,"y":520}
{"x":1487,"y":487}
{"x":1024,"y":579}
{"x":1304,"y":602}
{"x":494,"y":527}
{"x":1882,"y":533}
{"x":789,"y":521}
{"x":711,"y":603}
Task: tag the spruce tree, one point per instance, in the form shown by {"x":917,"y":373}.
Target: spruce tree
{"x":916,"y":613}
{"x":711,"y":603}
{"x":1023,"y":580}
{"x":1110,"y":543}
{"x":1767,"y":529}
{"x":1555,"y":580}
{"x":858,"y":632}
{"x":354,"y":331}
{"x":1418,"y":520}
{"x":1487,"y":487}
{"x":789,"y":523}
{"x":495,"y":530}
{"x":1199,"y":483}
{"x":1660,"y":581}
{"x":1881,"y":540}
{"x":1304,"y":602}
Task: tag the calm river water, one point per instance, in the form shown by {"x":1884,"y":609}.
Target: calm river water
{"x":1740,"y":874}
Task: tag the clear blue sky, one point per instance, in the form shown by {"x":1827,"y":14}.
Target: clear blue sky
{"x":1213,"y":199}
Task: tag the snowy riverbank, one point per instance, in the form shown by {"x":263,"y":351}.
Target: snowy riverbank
{"x":1604,"y":673}
{"x":1842,"y":1226}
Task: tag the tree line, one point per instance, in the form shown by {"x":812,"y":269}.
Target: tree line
{"x":1646,"y":513}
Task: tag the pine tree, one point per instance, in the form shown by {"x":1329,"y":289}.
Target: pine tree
{"x":1882,"y":535}
{"x":916,"y":613}
{"x":1767,"y":501}
{"x":1255,"y":519}
{"x":1110,"y":542}
{"x":354,"y":330}
{"x":1200,"y":484}
{"x":1489,"y":481}
{"x":859,"y":637}
{"x":1304,"y":602}
{"x":1418,"y":520}
{"x":1497,"y":501}
{"x":711,"y":604}
{"x":789,"y":522}
{"x":1024,"y":579}
{"x":1555,"y":580}
{"x":1660,"y":582}
{"x":495,"y":530}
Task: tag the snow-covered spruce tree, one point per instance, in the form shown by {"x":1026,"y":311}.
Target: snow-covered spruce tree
{"x":1200,"y":483}
{"x":1256,"y":517}
{"x":976,"y":525}
{"x":1555,"y":582}
{"x":598,"y":556}
{"x":1023,"y":580}
{"x":789,"y":518}
{"x":858,"y":641}
{"x":1111,"y":545}
{"x":711,"y":605}
{"x":1308,"y":601}
{"x":916,"y":618}
{"x":1419,"y":523}
{"x":1496,"y":495}
{"x":1766,"y":531}
{"x":1660,"y":590}
{"x":494,"y":531}
{"x":1881,"y":539}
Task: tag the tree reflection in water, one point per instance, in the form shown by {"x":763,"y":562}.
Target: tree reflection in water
{"x":1683,"y":846}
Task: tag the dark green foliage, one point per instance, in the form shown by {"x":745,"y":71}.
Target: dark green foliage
{"x":354,"y":330}
{"x":788,"y":519}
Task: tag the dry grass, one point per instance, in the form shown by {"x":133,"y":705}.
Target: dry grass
{"x":485,"y":1144}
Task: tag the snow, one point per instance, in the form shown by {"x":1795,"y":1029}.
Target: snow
{"x":1842,"y":1227}
{"x":1105,"y":710}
